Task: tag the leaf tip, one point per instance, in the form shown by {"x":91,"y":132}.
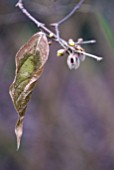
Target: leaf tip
{"x":18,"y":143}
{"x":18,"y":136}
{"x":19,"y":131}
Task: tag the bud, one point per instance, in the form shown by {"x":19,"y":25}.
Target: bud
{"x":80,"y":54}
{"x":51,"y":35}
{"x":71,"y":42}
{"x":49,"y":42}
{"x":78,"y":47}
{"x":80,"y":40}
{"x":61,"y":52}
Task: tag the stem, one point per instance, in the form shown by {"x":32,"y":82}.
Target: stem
{"x":71,"y":13}
{"x":92,"y":56}
{"x":87,"y":42}
{"x":57,"y":24}
{"x":62,"y":42}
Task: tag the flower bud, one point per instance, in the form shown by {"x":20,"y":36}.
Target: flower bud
{"x":80,"y":54}
{"x":71,"y":42}
{"x":51,"y":35}
{"x":61,"y":52}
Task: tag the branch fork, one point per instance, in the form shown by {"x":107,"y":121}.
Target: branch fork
{"x":69,"y":48}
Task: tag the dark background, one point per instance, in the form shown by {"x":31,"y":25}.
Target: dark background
{"x":69,"y":122}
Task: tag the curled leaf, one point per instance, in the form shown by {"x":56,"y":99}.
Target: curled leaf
{"x":30,"y":61}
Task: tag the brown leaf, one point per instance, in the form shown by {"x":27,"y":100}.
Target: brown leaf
{"x":30,"y":61}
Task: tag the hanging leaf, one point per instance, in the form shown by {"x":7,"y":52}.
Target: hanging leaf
{"x":30,"y":61}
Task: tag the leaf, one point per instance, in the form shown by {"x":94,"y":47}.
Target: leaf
{"x":30,"y":61}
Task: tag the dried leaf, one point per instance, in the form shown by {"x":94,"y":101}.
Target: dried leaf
{"x":30,"y":61}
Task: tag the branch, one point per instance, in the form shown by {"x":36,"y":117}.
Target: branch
{"x":62,"y":42}
{"x":57,"y":24}
{"x":71,"y":13}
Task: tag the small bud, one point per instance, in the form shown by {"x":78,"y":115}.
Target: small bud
{"x":61,"y":52}
{"x":78,"y":47}
{"x":73,"y":61}
{"x":51,"y":35}
{"x":49,"y":42}
{"x":71,"y":42}
{"x":80,"y":54}
{"x":80,"y":40}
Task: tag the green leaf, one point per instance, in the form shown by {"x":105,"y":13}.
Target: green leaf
{"x":30,"y":61}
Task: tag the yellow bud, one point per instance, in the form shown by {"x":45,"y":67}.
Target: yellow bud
{"x":71,"y":42}
{"x":51,"y":35}
{"x":60,"y":52}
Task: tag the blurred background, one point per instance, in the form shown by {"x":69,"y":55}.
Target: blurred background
{"x":69,"y":122}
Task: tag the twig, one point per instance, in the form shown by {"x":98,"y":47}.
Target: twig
{"x":57,"y":24}
{"x":87,"y":42}
{"x":20,"y":5}
{"x":71,"y":13}
{"x":62,"y":42}
{"x":91,"y":55}
{"x":39,"y":24}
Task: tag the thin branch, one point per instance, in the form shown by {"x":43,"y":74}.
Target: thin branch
{"x":62,"y":42}
{"x":38,"y":24}
{"x":57,"y":24}
{"x":20,"y":5}
{"x":91,"y":55}
{"x":71,"y":13}
{"x":87,"y":42}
